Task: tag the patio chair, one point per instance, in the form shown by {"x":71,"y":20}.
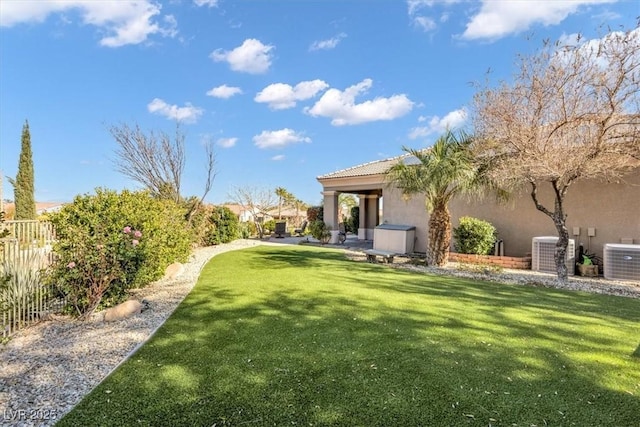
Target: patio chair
{"x":281,"y":229}
{"x":300,"y":231}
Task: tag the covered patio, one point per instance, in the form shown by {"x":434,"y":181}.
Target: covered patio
{"x":367,"y":182}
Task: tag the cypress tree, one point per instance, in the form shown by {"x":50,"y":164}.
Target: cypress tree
{"x":23,"y":188}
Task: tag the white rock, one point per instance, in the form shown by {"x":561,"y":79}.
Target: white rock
{"x":174,"y":270}
{"x":123,"y":310}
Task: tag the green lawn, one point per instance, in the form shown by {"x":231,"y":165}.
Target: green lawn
{"x":299,"y":336}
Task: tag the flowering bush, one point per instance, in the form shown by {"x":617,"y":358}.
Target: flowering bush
{"x":89,"y":265}
{"x":110,"y":242}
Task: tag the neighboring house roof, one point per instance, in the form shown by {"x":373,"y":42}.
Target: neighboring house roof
{"x":287,"y":212}
{"x":235,"y":208}
{"x":41,"y":207}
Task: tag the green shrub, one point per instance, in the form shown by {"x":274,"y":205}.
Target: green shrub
{"x":269,"y":225}
{"x":354,"y":221}
{"x":320,"y":231}
{"x":4,"y":230}
{"x":474,"y":236}
{"x":246,"y":229}
{"x":199,"y":221}
{"x":110,"y":242}
{"x":222,"y":226}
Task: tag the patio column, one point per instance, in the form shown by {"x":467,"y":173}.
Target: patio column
{"x":369,"y":215}
{"x":362,"y":217}
{"x":331,"y":209}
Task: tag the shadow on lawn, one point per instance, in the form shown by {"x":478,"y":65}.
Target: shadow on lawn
{"x":355,"y":344}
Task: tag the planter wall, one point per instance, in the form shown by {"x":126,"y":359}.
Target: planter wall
{"x":519,"y":263}
{"x":588,"y":270}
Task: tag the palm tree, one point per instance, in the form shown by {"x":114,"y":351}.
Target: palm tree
{"x":283,"y":197}
{"x":443,"y":171}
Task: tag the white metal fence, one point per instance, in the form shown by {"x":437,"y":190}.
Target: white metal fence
{"x":24,"y":254}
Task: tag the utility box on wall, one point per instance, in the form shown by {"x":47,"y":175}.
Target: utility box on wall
{"x":394,"y":238}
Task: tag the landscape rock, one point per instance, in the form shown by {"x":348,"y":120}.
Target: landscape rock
{"x":174,"y":270}
{"x":123,"y":310}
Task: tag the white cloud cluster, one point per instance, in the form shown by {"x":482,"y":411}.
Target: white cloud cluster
{"x":227,"y":142}
{"x":327,"y":44}
{"x":251,"y":57}
{"x":208,"y":3}
{"x":497,"y":19}
{"x":419,"y":19}
{"x":224,"y":91}
{"x":281,"y":96}
{"x":453,"y":120}
{"x":186,"y":114}
{"x":341,"y":106}
{"x":279,"y":138}
{"x":124,"y":22}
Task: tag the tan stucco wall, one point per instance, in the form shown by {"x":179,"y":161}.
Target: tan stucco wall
{"x":612,"y":209}
{"x":396,"y":210}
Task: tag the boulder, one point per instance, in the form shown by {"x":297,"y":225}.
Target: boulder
{"x":173,"y":270}
{"x":123,"y":310}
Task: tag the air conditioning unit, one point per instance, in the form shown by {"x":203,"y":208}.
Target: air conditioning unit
{"x":543,"y":249}
{"x":621,"y":261}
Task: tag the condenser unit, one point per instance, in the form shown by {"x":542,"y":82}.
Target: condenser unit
{"x":543,"y":251}
{"x":621,"y":261}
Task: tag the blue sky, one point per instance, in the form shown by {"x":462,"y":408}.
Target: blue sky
{"x":286,"y":90}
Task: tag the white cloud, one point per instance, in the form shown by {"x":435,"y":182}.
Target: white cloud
{"x":498,"y":19}
{"x":341,"y":107}
{"x":281,"y":96}
{"x":227,"y":142}
{"x":590,"y":49}
{"x":415,"y":5}
{"x":453,"y":120}
{"x":424,"y":23}
{"x":224,"y":91}
{"x":123,"y":22}
{"x":278,"y":157}
{"x":251,"y":57}
{"x":208,"y":3}
{"x":279,"y":138}
{"x":186,"y":114}
{"x":327,"y":44}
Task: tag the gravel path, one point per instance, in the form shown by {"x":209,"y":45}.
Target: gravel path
{"x":46,"y":369}
{"x":598,"y":285}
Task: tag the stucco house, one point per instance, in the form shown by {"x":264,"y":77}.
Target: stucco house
{"x":597,"y":212}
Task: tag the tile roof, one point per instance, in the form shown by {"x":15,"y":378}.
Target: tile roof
{"x":377,"y":167}
{"x":372,"y":168}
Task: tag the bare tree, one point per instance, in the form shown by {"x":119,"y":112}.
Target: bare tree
{"x":571,"y":113}
{"x":256,"y":200}
{"x":210,"y":166}
{"x":157,"y":161}
{"x":154,"y":160}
